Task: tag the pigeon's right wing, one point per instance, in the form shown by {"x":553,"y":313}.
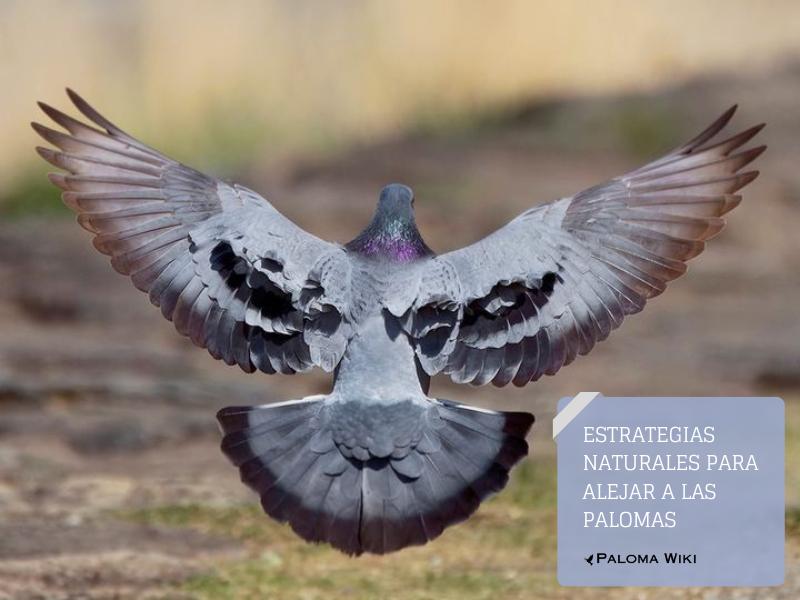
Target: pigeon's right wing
{"x":224,"y":265}
{"x":548,"y":286}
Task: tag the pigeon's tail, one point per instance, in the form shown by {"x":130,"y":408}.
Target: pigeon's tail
{"x":372,"y":477}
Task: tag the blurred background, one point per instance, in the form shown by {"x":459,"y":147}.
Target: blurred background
{"x":111,"y":483}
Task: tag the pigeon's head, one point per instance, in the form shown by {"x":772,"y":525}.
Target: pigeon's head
{"x":397,"y":200}
{"x":392,"y":234}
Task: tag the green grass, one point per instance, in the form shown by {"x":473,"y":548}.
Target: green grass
{"x":793,"y":523}
{"x":792,"y":407}
{"x":505,"y":550}
{"x":446,"y":193}
{"x":645,"y":131}
{"x":639,"y":127}
{"x":31,"y":193}
{"x":267,"y":578}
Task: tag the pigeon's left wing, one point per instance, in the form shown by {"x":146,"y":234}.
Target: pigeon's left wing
{"x":229,"y":270}
{"x":549,"y":285}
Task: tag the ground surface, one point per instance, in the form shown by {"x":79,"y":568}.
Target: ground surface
{"x":111,"y":483}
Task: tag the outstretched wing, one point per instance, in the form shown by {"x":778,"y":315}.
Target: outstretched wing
{"x":224,"y":265}
{"x":550,"y":284}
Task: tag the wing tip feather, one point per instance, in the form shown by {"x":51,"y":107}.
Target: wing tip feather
{"x":88,"y":111}
{"x":752,"y":153}
{"x":730,"y":201}
{"x":75,"y":97}
{"x":58,"y":116}
{"x":743,"y":179}
{"x":43,"y":132}
{"x":70,"y":199}
{"x":46,"y":108}
{"x":48,"y":154}
{"x":710,"y":131}
{"x":741,"y":138}
{"x":59,"y":180}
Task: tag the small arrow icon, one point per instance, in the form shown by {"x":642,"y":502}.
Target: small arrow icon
{"x":589,"y":558}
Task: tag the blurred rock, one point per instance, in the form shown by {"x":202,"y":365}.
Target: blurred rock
{"x":120,"y":575}
{"x":119,"y":435}
{"x":90,"y":494}
{"x":781,"y":374}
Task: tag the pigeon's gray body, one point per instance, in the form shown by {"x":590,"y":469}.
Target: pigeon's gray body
{"x":377,"y":465}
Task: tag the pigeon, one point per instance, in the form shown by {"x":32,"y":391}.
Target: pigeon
{"x":377,"y":465}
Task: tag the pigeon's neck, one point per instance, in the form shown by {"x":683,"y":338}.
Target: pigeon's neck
{"x":393,"y":237}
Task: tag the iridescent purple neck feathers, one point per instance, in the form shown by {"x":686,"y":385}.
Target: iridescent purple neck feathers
{"x":392,"y":234}
{"x":394,"y":240}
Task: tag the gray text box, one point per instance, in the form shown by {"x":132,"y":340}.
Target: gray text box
{"x":722,"y":459}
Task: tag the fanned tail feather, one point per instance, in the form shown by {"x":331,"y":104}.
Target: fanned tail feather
{"x":368,"y":478}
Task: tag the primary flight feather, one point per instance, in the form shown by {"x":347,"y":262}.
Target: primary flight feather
{"x":376,"y":465}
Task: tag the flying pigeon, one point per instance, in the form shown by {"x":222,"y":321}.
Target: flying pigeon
{"x":376,"y":465}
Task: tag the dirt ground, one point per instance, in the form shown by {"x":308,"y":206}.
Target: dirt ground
{"x":108,"y":415}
